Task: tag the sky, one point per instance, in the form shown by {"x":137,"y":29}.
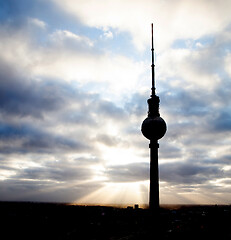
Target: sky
{"x":75,"y":77}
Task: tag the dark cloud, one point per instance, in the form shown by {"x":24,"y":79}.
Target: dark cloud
{"x":80,"y":117}
{"x":189,"y":173}
{"x":45,"y":191}
{"x":136,"y":104}
{"x":40,"y":105}
{"x":186,"y":102}
{"x":22,"y":96}
{"x":107,"y":140}
{"x":222,"y":122}
{"x":223,"y":92}
{"x":132,"y":172}
{"x":16,"y":12}
{"x":55,"y":172}
{"x":25,"y":139}
{"x":109,"y":109}
{"x":169,"y":151}
{"x":61,"y":180}
{"x":225,"y":159}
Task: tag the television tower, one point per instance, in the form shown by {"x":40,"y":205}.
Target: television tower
{"x":153,"y":128}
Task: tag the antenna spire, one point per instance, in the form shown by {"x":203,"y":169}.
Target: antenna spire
{"x":153,"y":68}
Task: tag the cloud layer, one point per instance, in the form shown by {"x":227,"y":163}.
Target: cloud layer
{"x":74,"y":80}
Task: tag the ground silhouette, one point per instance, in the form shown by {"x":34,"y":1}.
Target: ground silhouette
{"x":63,"y":221}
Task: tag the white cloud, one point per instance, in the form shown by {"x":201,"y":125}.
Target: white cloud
{"x":65,"y":38}
{"x":189,"y":68}
{"x":107,"y":34}
{"x":73,"y":58}
{"x":37,"y":22}
{"x":172,"y":19}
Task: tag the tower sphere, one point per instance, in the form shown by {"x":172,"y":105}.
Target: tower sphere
{"x":153,"y":128}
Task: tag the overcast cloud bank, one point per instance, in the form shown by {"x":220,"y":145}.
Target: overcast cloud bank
{"x":74,"y":80}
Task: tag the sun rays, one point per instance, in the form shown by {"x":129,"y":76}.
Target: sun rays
{"x":114,"y":193}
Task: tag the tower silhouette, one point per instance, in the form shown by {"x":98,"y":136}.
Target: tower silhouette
{"x":153,"y":128}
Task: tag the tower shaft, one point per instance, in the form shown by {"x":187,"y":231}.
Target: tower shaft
{"x":154,"y":177}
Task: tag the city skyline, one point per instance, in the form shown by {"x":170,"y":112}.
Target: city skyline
{"x":74,"y":80}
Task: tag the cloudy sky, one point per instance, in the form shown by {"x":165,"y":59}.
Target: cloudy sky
{"x":74,"y":79}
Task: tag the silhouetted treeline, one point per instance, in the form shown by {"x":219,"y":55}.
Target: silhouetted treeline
{"x":62,"y":221}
